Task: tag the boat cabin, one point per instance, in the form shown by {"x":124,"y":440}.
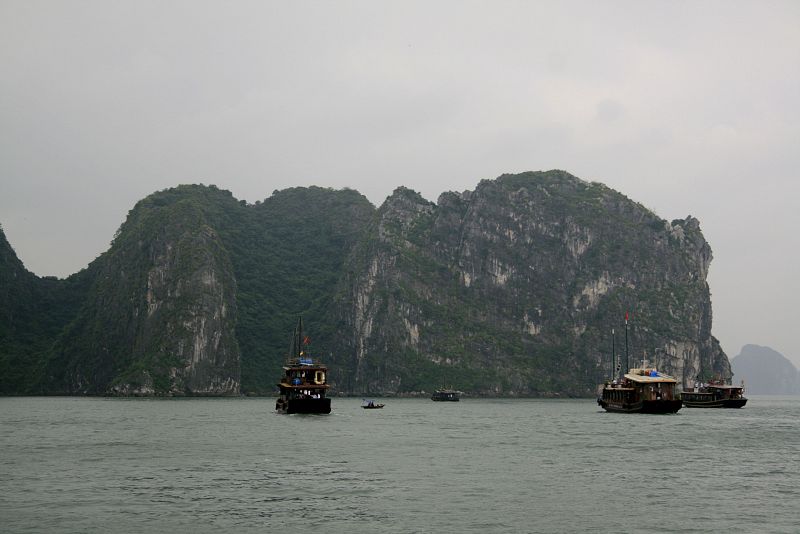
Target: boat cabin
{"x":446,"y":394}
{"x":303,"y":386}
{"x":714,"y":394}
{"x":642,"y":389}
{"x":304,"y":380}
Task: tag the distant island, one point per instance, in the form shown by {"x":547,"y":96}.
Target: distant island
{"x":508,"y":290}
{"x":765,"y":371}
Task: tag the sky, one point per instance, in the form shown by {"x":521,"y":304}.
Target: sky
{"x":690,"y":108}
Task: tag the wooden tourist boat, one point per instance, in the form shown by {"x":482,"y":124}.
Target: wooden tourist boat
{"x":641,"y":390}
{"x":446,"y":394}
{"x":303,"y":386}
{"x":714,"y":394}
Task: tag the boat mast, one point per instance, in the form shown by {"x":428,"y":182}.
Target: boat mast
{"x":627,"y":362}
{"x":614,"y":370}
{"x":299,"y":336}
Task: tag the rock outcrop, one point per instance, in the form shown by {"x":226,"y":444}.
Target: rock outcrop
{"x":513,"y":289}
{"x":509,"y":290}
{"x":161,"y":313}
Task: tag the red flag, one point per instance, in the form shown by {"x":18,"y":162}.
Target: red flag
{"x":307,"y":340}
{"x":626,"y":317}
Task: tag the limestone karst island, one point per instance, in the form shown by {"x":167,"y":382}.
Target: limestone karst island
{"x":511,"y":289}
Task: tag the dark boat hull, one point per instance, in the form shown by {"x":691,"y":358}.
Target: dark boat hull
{"x":322,"y":406}
{"x":648,"y":406}
{"x":446,"y":395}
{"x":717,"y":403}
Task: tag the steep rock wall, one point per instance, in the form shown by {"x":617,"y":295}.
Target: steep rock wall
{"x":513,"y":289}
{"x":161,"y":315}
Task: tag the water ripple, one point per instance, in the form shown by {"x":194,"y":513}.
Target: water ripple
{"x":217,"y":465}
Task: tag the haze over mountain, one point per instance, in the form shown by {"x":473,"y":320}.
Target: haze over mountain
{"x":688,"y":107}
{"x":765,"y":371}
{"x":510,"y":289}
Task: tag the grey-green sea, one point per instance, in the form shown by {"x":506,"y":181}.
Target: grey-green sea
{"x":480,"y":465}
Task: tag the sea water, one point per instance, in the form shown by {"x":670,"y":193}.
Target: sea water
{"x":233,"y":465}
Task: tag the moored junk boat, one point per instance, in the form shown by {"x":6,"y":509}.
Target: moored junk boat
{"x":446,"y":394}
{"x":641,"y":390}
{"x":714,"y":394}
{"x":303,"y":386}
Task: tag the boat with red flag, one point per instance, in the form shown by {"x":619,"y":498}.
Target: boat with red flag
{"x":641,"y":390}
{"x":303,"y":386}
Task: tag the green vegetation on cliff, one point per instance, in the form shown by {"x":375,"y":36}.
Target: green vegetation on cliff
{"x":510,"y":289}
{"x":33,"y":312}
{"x":127,"y":323}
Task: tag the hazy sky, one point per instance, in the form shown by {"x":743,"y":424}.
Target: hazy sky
{"x":686,"y":107}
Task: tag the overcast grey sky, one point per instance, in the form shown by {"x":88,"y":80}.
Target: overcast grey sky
{"x":686,"y":107}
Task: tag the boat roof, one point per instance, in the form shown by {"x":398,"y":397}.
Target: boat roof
{"x":649,"y":376}
{"x":305,"y":364}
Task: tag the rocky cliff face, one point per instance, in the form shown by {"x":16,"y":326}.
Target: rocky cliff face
{"x":513,"y":289}
{"x":161,"y":313}
{"x":191,"y":302}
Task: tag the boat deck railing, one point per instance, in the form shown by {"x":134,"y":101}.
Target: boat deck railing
{"x":304,"y":385}
{"x":304,"y":362}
